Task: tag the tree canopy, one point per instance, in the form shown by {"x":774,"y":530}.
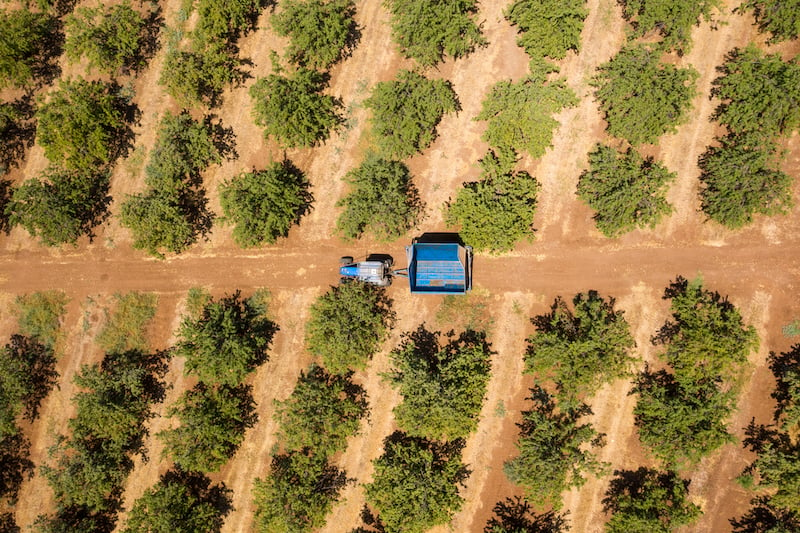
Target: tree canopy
{"x":264,"y":204}
{"x":382,"y":201}
{"x":626,"y":190}
{"x":514,"y":515}
{"x":27,"y":374}
{"x":781,"y":18}
{"x":198,"y":74}
{"x":225,"y":20}
{"x":672,"y":19}
{"x":641,"y":97}
{"x":347,"y":325}
{"x":406,"y":111}
{"x":28,"y":47}
{"x":548,"y":27}
{"x":427,"y":30}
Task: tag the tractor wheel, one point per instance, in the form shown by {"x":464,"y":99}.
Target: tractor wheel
{"x":346,"y":260}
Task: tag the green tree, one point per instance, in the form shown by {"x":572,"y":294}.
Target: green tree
{"x":27,"y":374}
{"x":580,"y":350}
{"x":322,"y":412}
{"x":28,"y":46}
{"x":494,"y":214}
{"x":416,"y":481}
{"x":672,"y":19}
{"x":298,"y":494}
{"x":321,"y":32}
{"x":226,"y":20}
{"x":626,"y":190}
{"x":181,"y":502}
{"x":427,"y":30}
{"x":294,"y":110}
{"x":556,"y":452}
{"x":514,"y":515}
{"x":213,"y":424}
{"x":548,"y":27}
{"x":382,"y":201}
{"x":648,"y":501}
{"x":61,"y":205}
{"x":126,"y":328}
{"x":776,"y":467}
{"x":786,"y":369}
{"x":347,"y":325}
{"x":17,"y":130}
{"x":227,"y":342}
{"x":758,"y":92}
{"x":39,"y":315}
{"x":263,"y":205}
{"x":764,"y":517}
{"x":741,"y":178}
{"x":443,"y":385}
{"x":520,"y":115}
{"x":641,"y":97}
{"x":407,"y":110}
{"x":197,"y":76}
{"x":781,"y":18}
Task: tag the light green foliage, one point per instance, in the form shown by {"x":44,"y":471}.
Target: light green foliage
{"x":580,"y":349}
{"x":84,"y":124}
{"x":416,"y":482}
{"x":213,"y":423}
{"x":758,"y":92}
{"x":427,"y":30}
{"x":382,"y":201}
{"x":26,"y":40}
{"x":348,"y":324}
{"x":126,"y":326}
{"x":648,"y":501}
{"x":227,"y":19}
{"x":39,"y":315}
{"x":182,"y":503}
{"x":672,"y":19}
{"x":321,"y":32}
{"x":741,"y":178}
{"x":263,"y":205}
{"x":321,"y":413}
{"x":227,"y":342}
{"x":520,"y":115}
{"x":781,"y":18}
{"x":27,"y":374}
{"x":514,"y":515}
{"x":406,"y":111}
{"x":111,"y":38}
{"x":298,"y":494}
{"x":473,"y":311}
{"x":548,"y":27}
{"x":555,"y":451}
{"x":494,"y":214}
{"x":443,"y":384}
{"x":626,"y":190}
{"x":61,"y":205}
{"x":294,"y":110}
{"x":641,"y":97}
{"x":197,"y":76}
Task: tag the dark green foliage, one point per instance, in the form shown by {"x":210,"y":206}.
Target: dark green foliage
{"x":15,"y":466}
{"x":27,"y":374}
{"x":382,"y":201}
{"x":520,"y":114}
{"x":764,"y":517}
{"x":641,"y":97}
{"x":416,"y":482}
{"x":298,"y":494}
{"x":227,"y":342}
{"x":648,"y":501}
{"x":781,"y":18}
{"x":514,"y":515}
{"x":427,"y":30}
{"x":758,"y":92}
{"x":626,"y":190}
{"x":213,"y":424}
{"x":786,"y":369}
{"x":672,"y":19}
{"x":199,"y":75}
{"x":182,"y":502}
{"x":28,"y":47}
{"x":226,"y":19}
{"x":580,"y":350}
{"x":322,"y":412}
{"x":548,"y":27}
{"x":556,"y":452}
{"x":294,"y":110}
{"x":39,"y":315}
{"x":776,"y":467}
{"x":79,"y":519}
{"x":85,"y":124}
{"x":741,"y":178}
{"x":321,"y":32}
{"x":406,"y":111}
{"x":443,"y":384}
{"x":6,"y":191}
{"x":17,"y":131}
{"x":114,"y":38}
{"x":494,"y":214}
{"x":348,"y":324}
{"x":263,"y":205}
{"x":126,"y":326}
{"x":61,"y":205}
{"x":8,"y":524}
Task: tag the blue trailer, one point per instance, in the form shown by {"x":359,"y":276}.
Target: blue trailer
{"x":438,"y":268}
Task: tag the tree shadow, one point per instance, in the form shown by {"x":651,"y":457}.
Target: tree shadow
{"x":224,"y":139}
{"x":763,"y":517}
{"x":786,"y":369}
{"x":40,"y":370}
{"x":150,"y":40}
{"x":296,"y":177}
{"x":15,"y":464}
{"x":200,"y":488}
{"x":79,"y":518}
{"x":370,"y":522}
{"x":17,"y":131}
{"x":515,"y":515}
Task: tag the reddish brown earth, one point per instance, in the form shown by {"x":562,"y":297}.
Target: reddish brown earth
{"x":757,"y":268}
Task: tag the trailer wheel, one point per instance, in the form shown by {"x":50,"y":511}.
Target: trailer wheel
{"x":346,"y":260}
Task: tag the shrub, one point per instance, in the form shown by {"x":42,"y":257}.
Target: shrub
{"x":39,"y":315}
{"x":199,"y":75}
{"x":673,"y":19}
{"x":225,"y":20}
{"x":548,"y":27}
{"x":126,"y":327}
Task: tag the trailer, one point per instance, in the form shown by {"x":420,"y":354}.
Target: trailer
{"x":438,"y":268}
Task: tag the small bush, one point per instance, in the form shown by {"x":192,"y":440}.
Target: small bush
{"x":39,"y":315}
{"x":126,"y":326}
